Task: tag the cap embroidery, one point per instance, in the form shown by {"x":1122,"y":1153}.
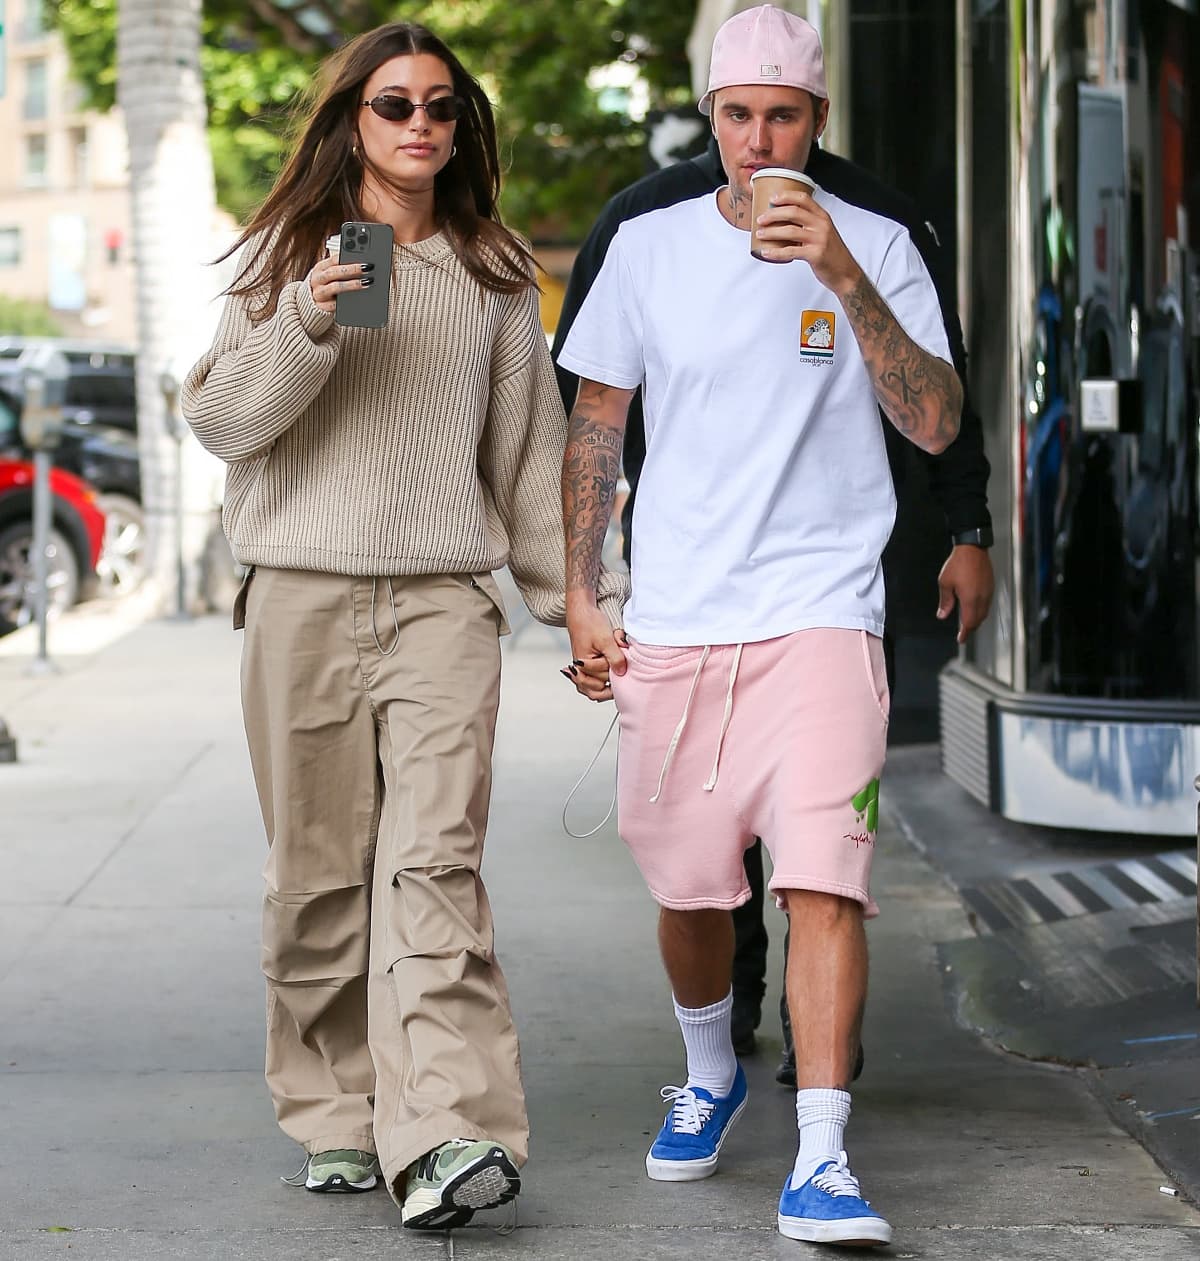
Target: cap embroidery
{"x":769,"y":71}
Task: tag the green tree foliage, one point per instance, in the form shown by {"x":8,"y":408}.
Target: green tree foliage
{"x":19,"y":318}
{"x":566,"y":148}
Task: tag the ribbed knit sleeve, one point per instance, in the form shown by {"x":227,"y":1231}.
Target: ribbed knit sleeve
{"x":520,"y":459}
{"x":258,"y":379}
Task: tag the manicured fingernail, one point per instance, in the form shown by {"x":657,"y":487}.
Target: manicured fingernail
{"x":577,"y":662}
{"x":367,"y":281}
{"x":566,"y":676}
{"x":574,"y":672}
{"x":368,"y":266}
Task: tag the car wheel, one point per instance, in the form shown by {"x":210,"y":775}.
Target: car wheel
{"x":122,"y":563}
{"x":17,"y":605}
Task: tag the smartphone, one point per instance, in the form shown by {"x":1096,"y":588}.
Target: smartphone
{"x":365,"y":243}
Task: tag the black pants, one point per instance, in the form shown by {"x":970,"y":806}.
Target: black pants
{"x":750,"y":940}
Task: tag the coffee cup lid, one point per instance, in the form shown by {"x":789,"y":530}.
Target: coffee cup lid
{"x":334,"y":243}
{"x":785,"y":173}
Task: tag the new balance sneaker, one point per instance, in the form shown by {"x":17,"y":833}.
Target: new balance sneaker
{"x":447,"y":1185}
{"x":689,"y":1143}
{"x":829,"y":1208}
{"x":342,"y":1170}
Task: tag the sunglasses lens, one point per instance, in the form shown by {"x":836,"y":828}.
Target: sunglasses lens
{"x":445,"y":109}
{"x":395,"y":109}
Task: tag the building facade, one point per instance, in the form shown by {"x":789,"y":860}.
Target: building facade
{"x":64,"y":189}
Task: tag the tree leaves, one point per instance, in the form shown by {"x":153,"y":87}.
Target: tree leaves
{"x":565,"y":152}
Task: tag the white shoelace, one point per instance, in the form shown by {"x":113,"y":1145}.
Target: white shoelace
{"x":690,"y":1113}
{"x":838,"y":1180}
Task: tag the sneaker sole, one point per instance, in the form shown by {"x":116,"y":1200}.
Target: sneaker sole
{"x":337,"y":1183}
{"x":691,"y":1170}
{"x":850,"y":1232}
{"x":488,"y":1182}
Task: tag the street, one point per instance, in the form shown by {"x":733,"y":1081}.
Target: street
{"x":136,"y":1121}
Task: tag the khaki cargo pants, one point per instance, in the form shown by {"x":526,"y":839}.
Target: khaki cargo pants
{"x":370,"y":710}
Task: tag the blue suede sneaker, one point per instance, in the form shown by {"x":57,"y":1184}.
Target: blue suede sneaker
{"x":829,"y":1208}
{"x":689,"y":1142}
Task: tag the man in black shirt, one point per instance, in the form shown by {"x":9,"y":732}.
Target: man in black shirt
{"x":957,"y":477}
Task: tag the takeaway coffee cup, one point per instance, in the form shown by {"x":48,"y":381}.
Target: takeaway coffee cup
{"x":764,"y":185}
{"x":334,"y":246}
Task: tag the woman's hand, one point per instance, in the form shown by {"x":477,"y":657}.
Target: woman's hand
{"x":596,"y":650}
{"x":329,"y":278}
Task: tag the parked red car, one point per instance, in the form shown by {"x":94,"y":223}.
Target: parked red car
{"x":76,"y":538}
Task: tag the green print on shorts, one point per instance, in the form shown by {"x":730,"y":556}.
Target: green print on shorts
{"x":868,"y":801}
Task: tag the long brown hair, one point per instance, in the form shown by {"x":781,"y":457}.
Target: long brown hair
{"x":320,"y":186}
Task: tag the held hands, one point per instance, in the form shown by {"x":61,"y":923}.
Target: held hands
{"x":597,"y":652}
{"x":329,"y":278}
{"x":795,"y":227}
{"x":967,"y":577}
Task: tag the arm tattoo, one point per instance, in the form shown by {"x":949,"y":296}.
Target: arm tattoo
{"x":591,"y":467}
{"x":920,"y":393}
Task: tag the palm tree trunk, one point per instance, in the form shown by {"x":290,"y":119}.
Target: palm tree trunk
{"x":161,"y":95}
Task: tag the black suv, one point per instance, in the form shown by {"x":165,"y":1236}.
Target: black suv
{"x":99,"y":442}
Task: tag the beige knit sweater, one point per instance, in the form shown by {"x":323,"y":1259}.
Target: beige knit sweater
{"x":433,"y":445}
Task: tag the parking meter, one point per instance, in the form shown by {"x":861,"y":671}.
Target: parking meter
{"x":43,"y":372}
{"x":170,"y":385}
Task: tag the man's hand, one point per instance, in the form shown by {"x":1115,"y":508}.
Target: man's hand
{"x":797,"y":227}
{"x":966,"y":577}
{"x":595,"y":649}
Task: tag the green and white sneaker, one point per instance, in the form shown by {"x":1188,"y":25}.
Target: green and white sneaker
{"x":341,"y":1170}
{"x":447,"y":1185}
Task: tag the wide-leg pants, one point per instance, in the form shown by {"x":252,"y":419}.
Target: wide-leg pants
{"x":370,"y":710}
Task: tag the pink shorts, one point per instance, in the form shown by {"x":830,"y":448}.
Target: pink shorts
{"x":782,"y":739}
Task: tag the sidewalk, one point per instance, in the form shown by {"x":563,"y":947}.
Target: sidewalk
{"x":136,"y":1122}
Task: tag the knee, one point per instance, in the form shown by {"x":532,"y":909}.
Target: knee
{"x":813,"y":907}
{"x":701,"y":925}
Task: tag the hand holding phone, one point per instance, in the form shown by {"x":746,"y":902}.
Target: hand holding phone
{"x":329,"y":278}
{"x":367,"y":247}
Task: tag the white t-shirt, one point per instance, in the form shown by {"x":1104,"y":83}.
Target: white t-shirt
{"x":766,"y":498}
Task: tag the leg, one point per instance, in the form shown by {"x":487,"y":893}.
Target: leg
{"x":689,"y":843}
{"x":441,"y":1030}
{"x":826,"y":986}
{"x":749,"y":955}
{"x":697,"y":950}
{"x":312,"y":746}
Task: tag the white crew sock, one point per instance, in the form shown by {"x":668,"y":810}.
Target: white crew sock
{"x":821,"y":1116}
{"x":708,"y":1042}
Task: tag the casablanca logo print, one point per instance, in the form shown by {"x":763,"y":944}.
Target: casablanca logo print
{"x":818,"y":330}
{"x":866,"y":808}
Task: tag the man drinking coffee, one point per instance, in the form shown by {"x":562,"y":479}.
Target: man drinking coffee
{"x":752,"y":691}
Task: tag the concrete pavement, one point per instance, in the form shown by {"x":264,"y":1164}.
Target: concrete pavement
{"x":135,"y":1121}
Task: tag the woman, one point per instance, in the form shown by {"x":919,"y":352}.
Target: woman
{"x":376,"y":478}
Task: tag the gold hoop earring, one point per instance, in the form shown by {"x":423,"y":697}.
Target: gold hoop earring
{"x":453,"y":150}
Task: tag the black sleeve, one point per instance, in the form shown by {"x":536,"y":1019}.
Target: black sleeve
{"x":958,"y":477}
{"x":658,"y":190}
{"x":584,"y":271}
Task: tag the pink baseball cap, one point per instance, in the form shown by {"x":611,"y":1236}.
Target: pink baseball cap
{"x":766,"y":45}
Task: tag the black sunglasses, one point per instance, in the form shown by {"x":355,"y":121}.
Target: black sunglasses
{"x":399,"y":109}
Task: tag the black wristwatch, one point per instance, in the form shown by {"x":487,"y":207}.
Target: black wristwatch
{"x":980,"y":536}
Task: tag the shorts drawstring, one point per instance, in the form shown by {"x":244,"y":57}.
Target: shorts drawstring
{"x":662,"y":776}
{"x":733,"y":672}
{"x":385,"y":652}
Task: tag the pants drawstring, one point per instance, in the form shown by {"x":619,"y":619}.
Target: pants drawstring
{"x":385,"y":652}
{"x":711,"y":783}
